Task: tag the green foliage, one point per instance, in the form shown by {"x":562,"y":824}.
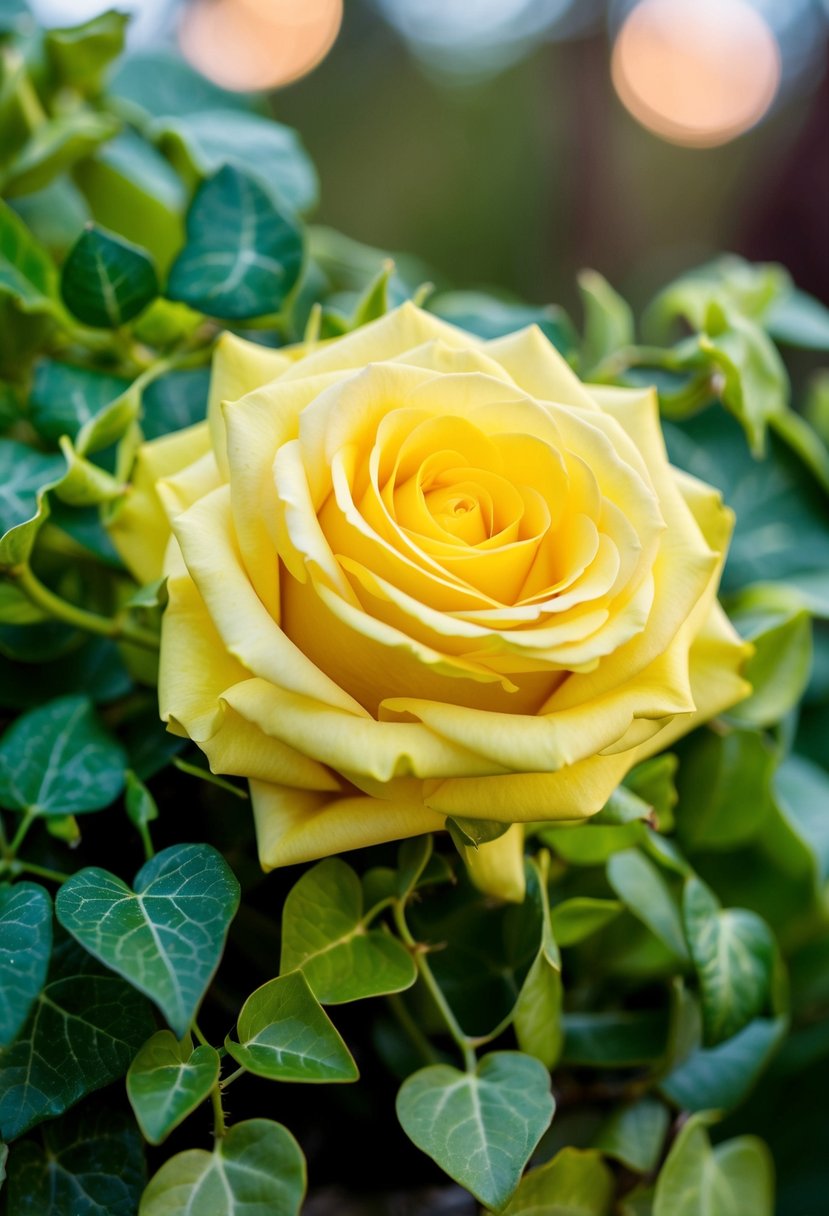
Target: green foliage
{"x":167,"y":935}
{"x":480,"y":1127}
{"x":670,"y":956}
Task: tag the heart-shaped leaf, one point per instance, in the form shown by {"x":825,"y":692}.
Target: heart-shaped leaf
{"x":167,"y":936}
{"x":257,"y":1169}
{"x":82,"y":1032}
{"x":735,"y":1178}
{"x":242,"y":255}
{"x":25,"y":946}
{"x":167,"y":1080}
{"x":323,"y":934}
{"x":106,"y":280}
{"x":479,"y":1127}
{"x":286,"y":1035}
{"x":733,"y":953}
{"x":634,"y":1134}
{"x":59,"y":760}
{"x":90,"y":1164}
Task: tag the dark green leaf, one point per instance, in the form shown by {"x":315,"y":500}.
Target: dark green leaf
{"x":257,"y":1169}
{"x":242,"y":255}
{"x":167,"y":1080}
{"x":174,"y":401}
{"x":412,"y":858}
{"x":25,"y":946}
{"x":55,"y":215}
{"x":323,"y":934}
{"x":106,"y":280}
{"x":537,"y":1014}
{"x":168,"y":936}
{"x":491,"y":317}
{"x":801,"y":792}
{"x":798,"y":319}
{"x":59,"y":760}
{"x":634,"y":1134}
{"x":719,"y":1078}
{"x":64,"y":397}
{"x":479,"y":1127}
{"x":200,"y":144}
{"x":141,"y":807}
{"x":82,"y":1033}
{"x":286,"y":1035}
{"x":93,"y":664}
{"x":725,"y":789}
{"x":575,"y":919}
{"x":576,"y":1182}
{"x":614,"y":1040}
{"x":779,"y":669}
{"x":733,"y":953}
{"x":23,"y":472}
{"x":90,"y":1164}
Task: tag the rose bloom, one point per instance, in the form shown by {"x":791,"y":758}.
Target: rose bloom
{"x":415,"y":575}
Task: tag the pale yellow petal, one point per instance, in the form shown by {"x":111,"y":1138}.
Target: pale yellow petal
{"x":238,"y":367}
{"x":497,"y":867}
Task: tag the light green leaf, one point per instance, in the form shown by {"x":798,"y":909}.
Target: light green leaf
{"x":80,"y":56}
{"x":25,"y":946}
{"x":480,"y":1127}
{"x":110,"y":423}
{"x":588,"y":844}
{"x":81,"y":1034}
{"x":755,"y":382}
{"x":257,"y":1169}
{"x":286,"y":1035}
{"x":55,"y":215}
{"x":323,"y":934}
{"x":798,"y":319}
{"x":24,"y":475}
{"x":412,"y":858}
{"x":576,"y":1182}
{"x":146,"y":84}
{"x":242,"y":256}
{"x":106,"y":281}
{"x":167,"y":936}
{"x":56,"y":146}
{"x":733,"y":953}
{"x":140,"y":804}
{"x":575,"y":919}
{"x":608,"y":321}
{"x":27,"y":273}
{"x":64,"y":397}
{"x":537,"y":1014}
{"x":84,"y":484}
{"x":200,"y":144}
{"x":779,"y":669}
{"x":732,"y":1180}
{"x":167,"y":1080}
{"x":801,"y":793}
{"x":719,"y":1078}
{"x":90,"y":1164}
{"x":59,"y":760}
{"x":638,"y":882}
{"x":654,"y":782}
{"x":634,"y":1134}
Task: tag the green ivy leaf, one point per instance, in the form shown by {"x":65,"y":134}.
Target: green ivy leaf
{"x":257,"y":1169}
{"x":27,"y":273}
{"x":176,"y":400}
{"x":537,"y":1014}
{"x":576,"y":1182}
{"x":167,"y":936}
{"x":641,"y":886}
{"x":575,"y":919}
{"x":798,"y":319}
{"x":110,"y":423}
{"x":140,"y":804}
{"x":286,"y":1035}
{"x":608,"y":321}
{"x":82,"y":1033}
{"x":90,"y":1164}
{"x":200,"y":144}
{"x":614,"y":1040}
{"x":491,"y":317}
{"x":725,"y":789}
{"x":634,"y":1134}
{"x":733,"y":953}
{"x":83,"y":483}
{"x":24,"y":476}
{"x":800,"y":836}
{"x":94,"y":665}
{"x":731,"y":1180}
{"x":242,"y":256}
{"x":413,"y":856}
{"x":479,"y":1127}
{"x":64,"y":397}
{"x":106,"y":281}
{"x":59,"y":760}
{"x":25,"y":947}
{"x":324,"y":935}
{"x":167,"y":1080}
{"x":779,"y":669}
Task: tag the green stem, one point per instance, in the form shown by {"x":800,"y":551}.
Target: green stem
{"x":233,"y":1077}
{"x":425,"y":972}
{"x":411,"y":1029}
{"x":20,"y":835}
{"x":14,"y":868}
{"x":115,"y":627}
{"x":194,"y":1026}
{"x":146,"y":840}
{"x":219,"y":1125}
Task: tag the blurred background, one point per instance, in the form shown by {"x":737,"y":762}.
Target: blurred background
{"x":509,"y":143}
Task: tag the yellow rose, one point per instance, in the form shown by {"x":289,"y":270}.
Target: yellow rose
{"x":415,"y":575}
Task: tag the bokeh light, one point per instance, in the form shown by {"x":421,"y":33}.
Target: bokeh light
{"x":258,"y":44}
{"x":696,"y":72}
